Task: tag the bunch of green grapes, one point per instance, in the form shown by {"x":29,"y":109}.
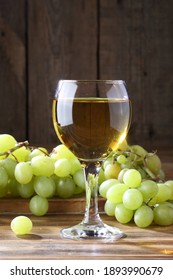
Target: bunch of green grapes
{"x":131,"y":180}
{"x":133,"y":184}
{"x":35,"y":174}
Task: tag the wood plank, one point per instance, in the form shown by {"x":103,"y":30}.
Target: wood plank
{"x":135,"y":45}
{"x":13,"y":95}
{"x":62,"y":45}
{"x":45,"y":242}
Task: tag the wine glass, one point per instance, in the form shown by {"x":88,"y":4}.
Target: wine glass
{"x":91,"y":118}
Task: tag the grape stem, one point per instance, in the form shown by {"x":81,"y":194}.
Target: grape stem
{"x":18,"y":146}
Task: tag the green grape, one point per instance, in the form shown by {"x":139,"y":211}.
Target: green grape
{"x":169,"y":183}
{"x":61,"y":151}
{"x":112,"y":170}
{"x":106,"y":185}
{"x":164,"y":193}
{"x":153,"y":163}
{"x":79,"y":179}
{"x":132,"y":199}
{"x":122,"y":214}
{"x":109,"y":208}
{"x":38,"y":205}
{"x":3,"y":182}
{"x":75,"y":165}
{"x":139,"y":151}
{"x":121,"y":174}
{"x":20,"y":154}
{"x":21,"y":225}
{"x":132,"y":178}
{"x":26,"y":190}
{"x":23,"y":172}
{"x":44,"y":186}
{"x":108,"y":161}
{"x":121,"y":159}
{"x":65,"y":187}
{"x":115,"y":193}
{"x":101,"y":177}
{"x":62,"y":167}
{"x":7,"y":142}
{"x":78,"y":190}
{"x":9,"y":164}
{"x":42,"y":166}
{"x":143,"y":216}
{"x":13,"y":187}
{"x":149,"y":189}
{"x":3,"y":177}
{"x":142,"y":172}
{"x":37,"y":152}
{"x":163,"y":215}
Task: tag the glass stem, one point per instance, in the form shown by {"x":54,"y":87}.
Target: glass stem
{"x":91,"y":217}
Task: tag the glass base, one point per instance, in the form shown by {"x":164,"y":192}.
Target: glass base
{"x":84,"y":231}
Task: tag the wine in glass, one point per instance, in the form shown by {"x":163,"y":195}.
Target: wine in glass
{"x":91,"y":118}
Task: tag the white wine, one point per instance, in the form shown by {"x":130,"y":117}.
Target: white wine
{"x":91,"y":127}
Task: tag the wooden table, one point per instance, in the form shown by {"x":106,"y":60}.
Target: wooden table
{"x":45,"y":242}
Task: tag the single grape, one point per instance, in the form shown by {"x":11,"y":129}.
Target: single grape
{"x":101,"y":177}
{"x":121,"y":174}
{"x":65,"y":187}
{"x":121,"y":159}
{"x":44,"y":186}
{"x":78,"y":190}
{"x":149,"y":189}
{"x":109,"y":208}
{"x":21,"y":225}
{"x":26,"y":190}
{"x":20,"y":154}
{"x":143,"y":216}
{"x":9,"y":164}
{"x":75,"y":165}
{"x":79,"y":179}
{"x":139,"y":151}
{"x":163,"y":215}
{"x":37,"y":152}
{"x":3,"y":182}
{"x":112,"y":170}
{"x":122,"y":214}
{"x":61,"y":151}
{"x":115,"y":193}
{"x":164,"y":193}
{"x":3,"y":177}
{"x":38,"y":205}
{"x":153,"y":163}
{"x":105,"y":186}
{"x":7,"y":142}
{"x":13,"y":187}
{"x":132,"y":178}
{"x":169,"y":183}
{"x":62,"y":167}
{"x":42,"y":166}
{"x":107,"y":161}
{"x":132,"y":199}
{"x":23,"y":172}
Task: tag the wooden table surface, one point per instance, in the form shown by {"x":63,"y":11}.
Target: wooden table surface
{"x":45,"y":242}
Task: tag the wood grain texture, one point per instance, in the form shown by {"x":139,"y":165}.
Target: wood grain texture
{"x":13,"y":98}
{"x":44,"y":41}
{"x":45,"y":242}
{"x":62,"y":45}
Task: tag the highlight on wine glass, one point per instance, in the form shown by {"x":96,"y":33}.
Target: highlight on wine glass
{"x":92,"y":118}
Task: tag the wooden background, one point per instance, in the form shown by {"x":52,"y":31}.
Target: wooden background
{"x":42,"y":41}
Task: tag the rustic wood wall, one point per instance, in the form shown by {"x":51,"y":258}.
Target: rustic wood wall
{"x":42,"y":41}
